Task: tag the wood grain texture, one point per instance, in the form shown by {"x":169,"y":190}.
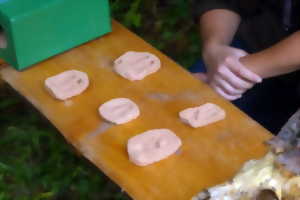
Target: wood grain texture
{"x":209,"y":155}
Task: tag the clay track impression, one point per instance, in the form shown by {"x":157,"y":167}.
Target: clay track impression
{"x":136,"y":65}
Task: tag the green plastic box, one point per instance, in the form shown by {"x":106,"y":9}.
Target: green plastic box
{"x":35,"y":30}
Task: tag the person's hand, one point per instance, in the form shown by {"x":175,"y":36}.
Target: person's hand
{"x":201,"y":76}
{"x":226,"y":74}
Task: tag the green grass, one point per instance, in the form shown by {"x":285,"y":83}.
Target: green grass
{"x":36,"y":162}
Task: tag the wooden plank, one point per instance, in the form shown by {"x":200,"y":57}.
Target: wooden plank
{"x":209,"y":155}
{"x":2,"y":65}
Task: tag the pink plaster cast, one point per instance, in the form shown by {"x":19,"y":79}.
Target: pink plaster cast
{"x":152,"y":146}
{"x":136,"y":65}
{"x":67,"y":84}
{"x":202,"y":115}
{"x":119,"y":110}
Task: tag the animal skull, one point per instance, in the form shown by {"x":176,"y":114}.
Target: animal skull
{"x":274,"y":177}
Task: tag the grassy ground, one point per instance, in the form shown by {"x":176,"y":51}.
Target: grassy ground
{"x":36,"y":162}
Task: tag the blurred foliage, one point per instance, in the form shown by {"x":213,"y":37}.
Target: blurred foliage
{"x":167,"y":24}
{"x":36,"y":163}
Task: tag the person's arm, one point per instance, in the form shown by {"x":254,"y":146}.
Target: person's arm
{"x":218,"y":26}
{"x":226,"y":75}
{"x":281,"y":58}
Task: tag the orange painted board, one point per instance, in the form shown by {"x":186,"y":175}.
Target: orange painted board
{"x":209,"y":155}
